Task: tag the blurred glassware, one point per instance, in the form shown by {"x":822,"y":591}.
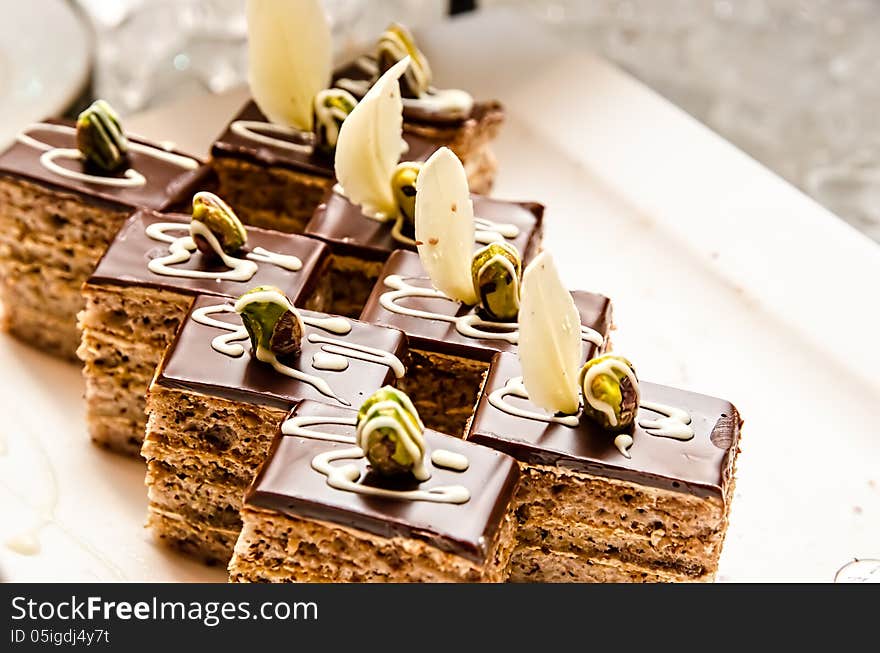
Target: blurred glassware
{"x":152,"y":51}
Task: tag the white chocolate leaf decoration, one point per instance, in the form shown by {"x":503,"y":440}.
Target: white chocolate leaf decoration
{"x":290,"y":52}
{"x":550,"y":349}
{"x":370,"y":144}
{"x":445,"y":225}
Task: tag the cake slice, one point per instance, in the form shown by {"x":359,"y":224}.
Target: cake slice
{"x":623,"y":481}
{"x":144,"y":286}
{"x":648,"y":505}
{"x":221,"y":393}
{"x":59,"y":210}
{"x":321,"y":510}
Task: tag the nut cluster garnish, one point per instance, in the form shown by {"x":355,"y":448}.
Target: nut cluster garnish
{"x":396,"y":43}
{"x":496,"y":271}
{"x":271,"y":321}
{"x":216,"y":215}
{"x":611,"y":392}
{"x":100,"y":138}
{"x":390,"y":433}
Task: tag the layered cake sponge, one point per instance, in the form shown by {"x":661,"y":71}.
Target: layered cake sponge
{"x":58,"y":213}
{"x":324,"y":508}
{"x":649,"y":504}
{"x":145,"y":284}
{"x":225,"y":385}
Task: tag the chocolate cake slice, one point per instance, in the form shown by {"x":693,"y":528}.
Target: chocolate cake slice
{"x":58,"y":213}
{"x":143,"y":288}
{"x":451,"y":343}
{"x":214,"y":408}
{"x":647,"y":504}
{"x":319,"y":511}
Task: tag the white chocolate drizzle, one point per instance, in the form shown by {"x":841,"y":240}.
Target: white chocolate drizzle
{"x":248,"y":129}
{"x":675,"y":423}
{"x":360,"y":352}
{"x":609,"y":366}
{"x":180,"y":250}
{"x":345,"y":477}
{"x":623,"y":442}
{"x":449,"y":460}
{"x":515,"y":388}
{"x":330,"y":116}
{"x":130,"y":178}
{"x":298,"y":425}
{"x":228,"y":344}
{"x":470,"y":325}
{"x":329,"y":362}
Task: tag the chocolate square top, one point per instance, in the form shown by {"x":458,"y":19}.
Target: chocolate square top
{"x":442,"y":333}
{"x":701,"y":465}
{"x":348,"y":231}
{"x":168,"y":176}
{"x":353,"y":364}
{"x":279,"y":146}
{"x":289,"y":484}
{"x":126,"y":261}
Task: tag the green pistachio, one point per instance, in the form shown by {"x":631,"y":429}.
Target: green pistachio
{"x":496,"y":270}
{"x":100,"y":138}
{"x":271,"y":321}
{"x":389,"y":447}
{"x":220,"y":220}
{"x":332,"y":107}
{"x":609,"y":383}
{"x":403,"y":184}
{"x":396,"y":43}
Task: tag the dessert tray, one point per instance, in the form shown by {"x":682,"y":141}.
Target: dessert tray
{"x":643,"y":205}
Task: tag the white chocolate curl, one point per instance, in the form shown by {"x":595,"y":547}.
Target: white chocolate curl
{"x":370,"y":144}
{"x":445,"y":225}
{"x":290,"y":51}
{"x":550,"y":348}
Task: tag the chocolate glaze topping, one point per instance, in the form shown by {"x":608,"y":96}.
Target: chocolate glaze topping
{"x":193,"y":364}
{"x":700,"y":466}
{"x":167,"y":183}
{"x":230,"y":144}
{"x":125,"y":261}
{"x":442,"y":337}
{"x":349,"y":232}
{"x":288,"y":484}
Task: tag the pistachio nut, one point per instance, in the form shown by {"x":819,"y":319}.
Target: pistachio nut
{"x":390,"y":434}
{"x":332,"y":107}
{"x":396,"y":43}
{"x":100,"y":138}
{"x":496,"y":270}
{"x":272,"y":322}
{"x":403,"y":183}
{"x":220,"y":220}
{"x":611,"y":392}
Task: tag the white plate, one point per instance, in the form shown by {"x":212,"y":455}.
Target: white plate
{"x":45,"y":57}
{"x":725,"y":281}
